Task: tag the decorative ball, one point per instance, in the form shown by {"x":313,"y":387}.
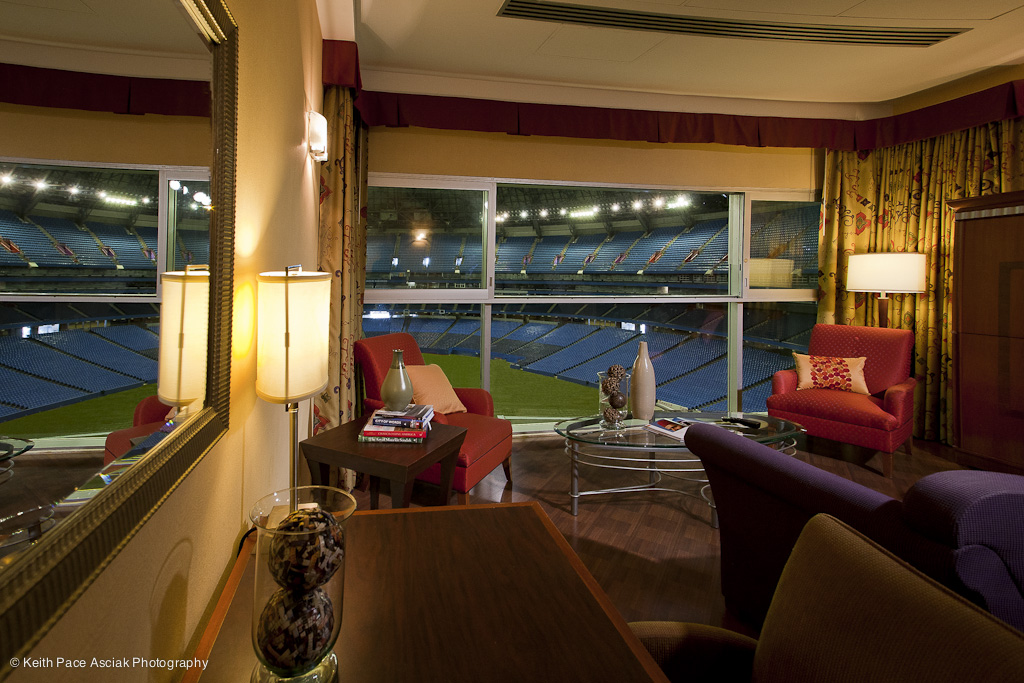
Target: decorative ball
{"x":617,"y":399}
{"x":309,"y":551}
{"x":609,"y":385}
{"x":294,"y":630}
{"x":617,"y":371}
{"x":611,"y":415}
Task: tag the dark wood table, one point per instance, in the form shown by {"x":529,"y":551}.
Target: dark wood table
{"x":461,"y":594}
{"x":399,"y":463}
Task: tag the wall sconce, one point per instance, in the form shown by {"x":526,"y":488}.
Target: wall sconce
{"x":292,"y":335}
{"x":184,"y":323}
{"x":317,"y":136}
{"x":892,"y":273}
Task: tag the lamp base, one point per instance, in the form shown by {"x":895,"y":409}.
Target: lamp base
{"x":324,"y":672}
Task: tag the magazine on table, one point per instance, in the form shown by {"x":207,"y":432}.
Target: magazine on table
{"x":414,"y":416}
{"x":674,"y":427}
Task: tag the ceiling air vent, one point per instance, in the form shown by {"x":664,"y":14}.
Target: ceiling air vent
{"x":607,"y":17}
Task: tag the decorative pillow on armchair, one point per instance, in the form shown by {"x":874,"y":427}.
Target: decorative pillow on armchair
{"x":431,"y":387}
{"x":826,"y":372}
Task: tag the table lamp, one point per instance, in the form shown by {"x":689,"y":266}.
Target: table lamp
{"x":888,"y":273}
{"x":292,"y":335}
{"x":184,"y":323}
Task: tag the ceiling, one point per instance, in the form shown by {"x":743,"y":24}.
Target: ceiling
{"x":463,"y":47}
{"x":443,"y":42}
{"x":151,"y":38}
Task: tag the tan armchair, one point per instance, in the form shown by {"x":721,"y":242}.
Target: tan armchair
{"x":846,"y":610}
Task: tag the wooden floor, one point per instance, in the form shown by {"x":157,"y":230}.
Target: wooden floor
{"x":44,"y":477}
{"x":655,"y":554}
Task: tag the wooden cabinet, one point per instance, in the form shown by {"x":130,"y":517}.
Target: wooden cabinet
{"x":988,"y":337}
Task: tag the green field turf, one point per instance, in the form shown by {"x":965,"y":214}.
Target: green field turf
{"x":98,"y":415}
{"x":518,"y":393}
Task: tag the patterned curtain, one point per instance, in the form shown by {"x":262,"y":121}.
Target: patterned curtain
{"x":342,"y":251}
{"x":894,"y":199}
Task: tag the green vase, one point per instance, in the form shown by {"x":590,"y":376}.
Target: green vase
{"x":396,"y":390}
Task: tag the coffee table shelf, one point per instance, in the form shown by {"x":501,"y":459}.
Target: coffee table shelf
{"x":634,"y":448}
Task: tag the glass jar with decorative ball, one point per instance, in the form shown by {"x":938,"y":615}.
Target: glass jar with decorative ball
{"x":299,"y":583}
{"x":613,"y":396}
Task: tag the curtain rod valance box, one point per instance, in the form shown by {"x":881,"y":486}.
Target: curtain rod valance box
{"x":56,"y":88}
{"x":998,"y":103}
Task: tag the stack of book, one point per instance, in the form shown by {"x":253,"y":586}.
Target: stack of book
{"x":398,"y":426}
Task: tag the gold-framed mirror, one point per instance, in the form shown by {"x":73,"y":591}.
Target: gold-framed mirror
{"x":44,"y":581}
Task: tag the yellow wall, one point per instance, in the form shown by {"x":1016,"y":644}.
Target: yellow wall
{"x":73,"y":135}
{"x":151,"y":600}
{"x":421,"y":150}
{"x":958,"y":88}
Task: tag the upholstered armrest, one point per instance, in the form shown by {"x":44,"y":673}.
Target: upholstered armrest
{"x":980,"y":515}
{"x":477,"y":401}
{"x":899,"y":400}
{"x":696,"y":652}
{"x":784,"y":381}
{"x":370,"y":405}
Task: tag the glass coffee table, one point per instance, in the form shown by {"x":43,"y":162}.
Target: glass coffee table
{"x":634,"y":448}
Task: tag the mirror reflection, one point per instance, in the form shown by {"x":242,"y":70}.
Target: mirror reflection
{"x":83,"y":251}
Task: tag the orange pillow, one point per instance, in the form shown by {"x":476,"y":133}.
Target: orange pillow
{"x":431,"y":387}
{"x":825,"y":372}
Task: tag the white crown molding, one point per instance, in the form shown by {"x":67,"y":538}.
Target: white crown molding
{"x":423,"y":83}
{"x":111,"y":61}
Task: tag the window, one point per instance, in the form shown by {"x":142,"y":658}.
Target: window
{"x":719,"y":284}
{"x":81,"y":250}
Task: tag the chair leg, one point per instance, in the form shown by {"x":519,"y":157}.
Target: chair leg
{"x":886,"y":465}
{"x":506,"y":465}
{"x":462,"y":497}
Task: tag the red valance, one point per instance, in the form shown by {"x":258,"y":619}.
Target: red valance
{"x":341,"y":63}
{"x":38,"y":87}
{"x":999,"y":103}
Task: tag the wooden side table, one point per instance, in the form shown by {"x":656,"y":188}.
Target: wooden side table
{"x":399,"y":463}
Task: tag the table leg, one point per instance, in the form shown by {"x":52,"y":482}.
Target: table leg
{"x":447,"y":475}
{"x":653,"y":466}
{"x":401,"y":493}
{"x":374,"y":493}
{"x":574,"y":481}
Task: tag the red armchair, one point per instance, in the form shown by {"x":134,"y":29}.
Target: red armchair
{"x":882,"y":420}
{"x":150,"y":414}
{"x":488,"y":439}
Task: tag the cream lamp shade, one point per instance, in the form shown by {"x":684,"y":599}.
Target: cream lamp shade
{"x":891,"y":273}
{"x":184,"y":323}
{"x":292,"y":333}
{"x":317,"y":136}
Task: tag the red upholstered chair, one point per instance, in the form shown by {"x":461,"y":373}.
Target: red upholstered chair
{"x":882,"y":420}
{"x":149,"y":416}
{"x":488,"y":439}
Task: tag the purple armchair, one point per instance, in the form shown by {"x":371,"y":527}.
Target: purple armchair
{"x":963,"y":527}
{"x":882,"y":420}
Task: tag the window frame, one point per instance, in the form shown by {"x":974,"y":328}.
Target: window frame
{"x":739,"y":291}
{"x":165,"y":173}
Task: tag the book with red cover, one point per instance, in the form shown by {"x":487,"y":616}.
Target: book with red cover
{"x":394,"y":432}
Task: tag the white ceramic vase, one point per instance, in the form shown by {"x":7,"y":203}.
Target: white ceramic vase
{"x":643,"y":387}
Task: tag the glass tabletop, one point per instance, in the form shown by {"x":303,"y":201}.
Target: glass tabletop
{"x":635,"y":433}
{"x":11,"y":447}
